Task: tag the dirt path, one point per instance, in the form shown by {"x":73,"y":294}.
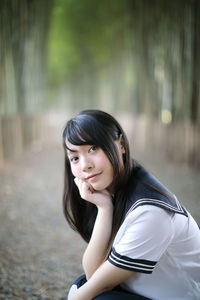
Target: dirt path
{"x":39,"y":254}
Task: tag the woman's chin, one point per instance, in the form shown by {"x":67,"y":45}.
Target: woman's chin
{"x":98,"y":187}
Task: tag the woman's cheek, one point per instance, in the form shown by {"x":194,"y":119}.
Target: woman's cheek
{"x":75,"y":171}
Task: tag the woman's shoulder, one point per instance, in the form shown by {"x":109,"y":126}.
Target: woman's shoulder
{"x":147,"y":213}
{"x":146,"y":189}
{"x":143,"y":185}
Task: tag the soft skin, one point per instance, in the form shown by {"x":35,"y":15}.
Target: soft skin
{"x":85,"y":162}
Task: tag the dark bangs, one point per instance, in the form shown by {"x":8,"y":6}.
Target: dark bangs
{"x":76,"y":134}
{"x":87,"y":130}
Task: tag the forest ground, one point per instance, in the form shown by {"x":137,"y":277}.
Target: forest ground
{"x":40,"y":255}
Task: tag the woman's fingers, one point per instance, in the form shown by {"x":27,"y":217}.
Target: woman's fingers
{"x":99,"y":198}
{"x":85,"y":189}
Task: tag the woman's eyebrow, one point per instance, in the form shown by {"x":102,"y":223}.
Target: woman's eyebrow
{"x":71,"y":150}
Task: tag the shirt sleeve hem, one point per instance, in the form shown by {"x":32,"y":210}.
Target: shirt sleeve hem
{"x":135,"y":265}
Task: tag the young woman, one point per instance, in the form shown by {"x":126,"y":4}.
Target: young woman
{"x":142,"y":244}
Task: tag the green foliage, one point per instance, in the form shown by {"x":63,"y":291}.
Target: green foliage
{"x":141,"y":51}
{"x":83,"y":32}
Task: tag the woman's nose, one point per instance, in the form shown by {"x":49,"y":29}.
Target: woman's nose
{"x":86,"y":164}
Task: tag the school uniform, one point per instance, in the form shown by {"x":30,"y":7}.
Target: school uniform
{"x":159,"y":241}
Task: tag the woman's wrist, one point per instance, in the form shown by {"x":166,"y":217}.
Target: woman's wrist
{"x":105,"y":203}
{"x":106,"y":208}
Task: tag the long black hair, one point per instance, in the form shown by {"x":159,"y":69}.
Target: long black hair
{"x":95,"y":127}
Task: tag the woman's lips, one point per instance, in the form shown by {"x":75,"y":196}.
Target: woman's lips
{"x":91,"y":177}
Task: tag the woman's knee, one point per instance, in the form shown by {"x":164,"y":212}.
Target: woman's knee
{"x":80,"y":281}
{"x":76,"y":285}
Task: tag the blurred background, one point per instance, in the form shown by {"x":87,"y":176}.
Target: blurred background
{"x":136,"y":59}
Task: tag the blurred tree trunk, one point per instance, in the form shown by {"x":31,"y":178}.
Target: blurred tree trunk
{"x":195,"y":97}
{"x":143,"y":31}
{"x":23,"y":31}
{"x":23,"y":39}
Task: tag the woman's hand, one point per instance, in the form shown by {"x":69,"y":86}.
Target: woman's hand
{"x":100,"y":198}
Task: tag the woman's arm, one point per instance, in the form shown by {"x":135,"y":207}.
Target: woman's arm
{"x":97,"y":247}
{"x":105,"y":278}
{"x":96,"y":250}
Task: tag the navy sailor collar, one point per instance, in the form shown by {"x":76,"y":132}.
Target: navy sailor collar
{"x":145,"y":189}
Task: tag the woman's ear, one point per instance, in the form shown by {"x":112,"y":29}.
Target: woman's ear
{"x":122,"y":144}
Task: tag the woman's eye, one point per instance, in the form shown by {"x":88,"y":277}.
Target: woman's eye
{"x":93,"y":148}
{"x":74,"y":159}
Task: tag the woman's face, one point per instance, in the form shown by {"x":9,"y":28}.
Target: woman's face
{"x":90,"y":163}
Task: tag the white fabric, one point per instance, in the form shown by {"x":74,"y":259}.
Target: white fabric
{"x":72,"y":290}
{"x":152,"y":239}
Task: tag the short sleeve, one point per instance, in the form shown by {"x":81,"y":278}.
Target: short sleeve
{"x":145,"y":235}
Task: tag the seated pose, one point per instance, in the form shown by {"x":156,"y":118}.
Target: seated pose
{"x":142,"y":243}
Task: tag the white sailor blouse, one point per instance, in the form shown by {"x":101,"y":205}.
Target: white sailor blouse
{"x":159,"y":240}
